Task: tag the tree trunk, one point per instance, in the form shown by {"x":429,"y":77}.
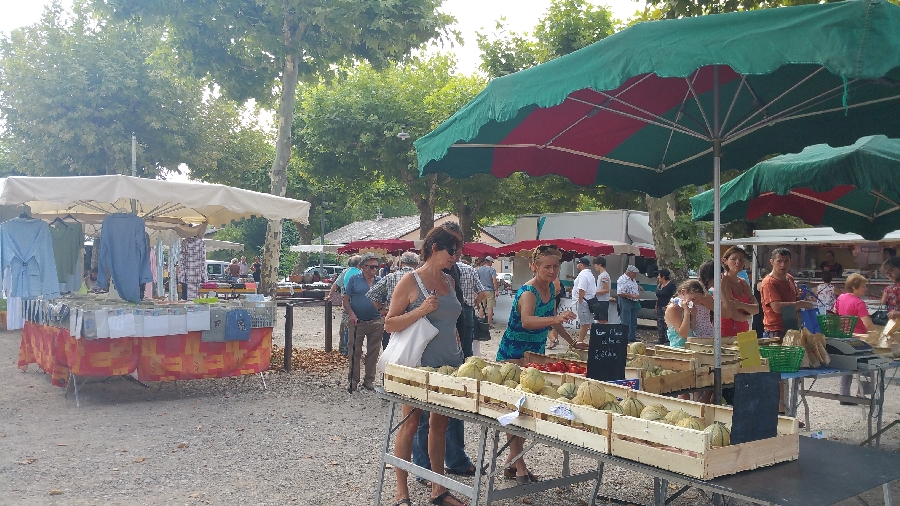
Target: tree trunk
{"x":467,"y":214}
{"x":278,"y":173}
{"x":305,"y":232}
{"x":662,"y":221}
{"x":425,"y":202}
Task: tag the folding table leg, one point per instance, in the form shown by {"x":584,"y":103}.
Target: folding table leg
{"x":596,"y":488}
{"x":887,"y":494}
{"x":565,"y":469}
{"x":660,"y":488}
{"x":492,"y":469}
{"x":384,"y":450}
{"x":479,"y":464}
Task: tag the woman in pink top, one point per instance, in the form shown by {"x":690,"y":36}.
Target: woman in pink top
{"x":850,"y":303}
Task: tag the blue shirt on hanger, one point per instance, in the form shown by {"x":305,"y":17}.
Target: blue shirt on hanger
{"x":124,"y":255}
{"x":27,"y":249}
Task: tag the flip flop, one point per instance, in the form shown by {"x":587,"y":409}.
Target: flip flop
{"x":443,"y":497}
{"x":403,"y":501}
{"x":468,"y":472}
{"x":553,"y":344}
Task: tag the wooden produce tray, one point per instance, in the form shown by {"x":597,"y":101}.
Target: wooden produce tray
{"x":685,"y":376}
{"x":688,"y":451}
{"x":589,"y":429}
{"x":453,"y":392}
{"x":406,"y":381}
{"x":545,"y":359}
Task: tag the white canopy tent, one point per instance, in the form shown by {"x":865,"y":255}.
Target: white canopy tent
{"x":183,"y":208}
{"x":161,"y":203}
{"x":217,"y":245}
{"x":316,"y":248}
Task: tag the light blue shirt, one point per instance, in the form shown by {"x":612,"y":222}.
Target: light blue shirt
{"x":124,"y":255}
{"x":27,"y":249}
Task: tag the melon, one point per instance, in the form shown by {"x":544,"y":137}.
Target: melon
{"x":469,"y":370}
{"x":531,"y":379}
{"x":492,"y":374}
{"x":672,"y":417}
{"x":429,"y":369}
{"x":611,"y":397}
{"x":612,"y":406}
{"x":524,"y":389}
{"x":640,"y":361}
{"x":590,"y":393}
{"x":653,"y":413}
{"x":510,"y":384}
{"x":719,"y":435}
{"x":510,"y":371}
{"x":549,"y":391}
{"x":637,"y":348}
{"x":478,"y":361}
{"x":631,"y":407}
{"x":567,"y":390}
{"x":447,"y":369}
{"x":691,"y":422}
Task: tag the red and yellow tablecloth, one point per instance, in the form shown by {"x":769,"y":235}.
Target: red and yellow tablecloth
{"x":163,"y":358}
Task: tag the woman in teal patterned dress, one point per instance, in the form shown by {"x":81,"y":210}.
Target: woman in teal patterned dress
{"x":531,"y":318}
{"x":533,"y":310}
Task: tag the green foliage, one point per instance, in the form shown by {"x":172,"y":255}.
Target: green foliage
{"x":242,"y":44}
{"x":505,"y":53}
{"x":74,"y":87}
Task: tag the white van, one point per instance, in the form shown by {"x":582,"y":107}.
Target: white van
{"x":217,"y":270}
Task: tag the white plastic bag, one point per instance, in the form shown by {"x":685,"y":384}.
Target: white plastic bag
{"x":406,"y":347}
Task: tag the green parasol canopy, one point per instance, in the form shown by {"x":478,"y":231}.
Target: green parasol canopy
{"x":850,"y":188}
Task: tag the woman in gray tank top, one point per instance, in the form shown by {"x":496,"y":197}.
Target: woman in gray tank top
{"x":428,"y":292}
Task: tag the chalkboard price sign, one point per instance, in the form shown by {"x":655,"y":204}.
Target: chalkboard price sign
{"x":755,"y":406}
{"x":607,"y":352}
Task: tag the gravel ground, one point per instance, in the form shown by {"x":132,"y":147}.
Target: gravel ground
{"x":226,"y":441}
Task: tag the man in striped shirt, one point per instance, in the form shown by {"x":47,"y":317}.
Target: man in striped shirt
{"x":380,"y":294}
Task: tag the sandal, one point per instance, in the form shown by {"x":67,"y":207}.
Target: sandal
{"x":510,"y":474}
{"x":553,"y":344}
{"x":406,"y":501}
{"x":443,"y":497}
{"x":468,"y":472}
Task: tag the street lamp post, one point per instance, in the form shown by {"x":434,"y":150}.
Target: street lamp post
{"x":325,"y":206}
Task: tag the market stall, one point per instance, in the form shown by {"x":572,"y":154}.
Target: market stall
{"x":118,"y":333}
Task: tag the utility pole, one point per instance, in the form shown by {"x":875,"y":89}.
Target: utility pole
{"x":325,"y":206}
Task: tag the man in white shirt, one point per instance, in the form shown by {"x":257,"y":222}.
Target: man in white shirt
{"x":601,"y":307}
{"x":583,"y":291}
{"x":629,"y":295}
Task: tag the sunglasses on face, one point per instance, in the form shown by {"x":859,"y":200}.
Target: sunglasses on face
{"x":371,"y":266}
{"x":451,"y":251}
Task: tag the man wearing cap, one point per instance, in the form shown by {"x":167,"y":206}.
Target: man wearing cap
{"x":366,"y":322}
{"x":628,"y":294}
{"x":488,"y":277}
{"x":584,"y":290}
{"x":380,"y":293}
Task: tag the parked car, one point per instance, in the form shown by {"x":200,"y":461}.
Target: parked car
{"x":326,"y":271}
{"x":217,"y":270}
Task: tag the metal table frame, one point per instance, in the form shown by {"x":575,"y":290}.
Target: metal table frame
{"x":796,"y":392}
{"x":486,"y":464}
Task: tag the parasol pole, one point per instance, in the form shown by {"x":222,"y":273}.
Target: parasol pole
{"x":717,"y":240}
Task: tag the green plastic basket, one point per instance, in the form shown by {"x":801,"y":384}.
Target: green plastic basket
{"x":833,"y":325}
{"x":783,"y":358}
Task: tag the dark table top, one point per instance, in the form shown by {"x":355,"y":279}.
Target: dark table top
{"x":826,"y":472}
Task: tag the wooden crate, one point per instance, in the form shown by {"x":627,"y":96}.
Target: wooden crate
{"x":406,"y":381}
{"x":545,"y":359}
{"x":688,"y":451}
{"x":685,"y":376}
{"x":589,"y":428}
{"x":453,"y":392}
{"x":705,"y":373}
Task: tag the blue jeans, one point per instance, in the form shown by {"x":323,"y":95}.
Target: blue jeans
{"x":468,"y":314}
{"x":455,"y":457}
{"x":629,"y":316}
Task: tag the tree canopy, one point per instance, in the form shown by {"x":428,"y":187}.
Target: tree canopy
{"x":73,"y":88}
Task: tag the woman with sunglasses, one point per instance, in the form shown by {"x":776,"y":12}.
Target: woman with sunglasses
{"x":428,"y":291}
{"x":533,"y":315}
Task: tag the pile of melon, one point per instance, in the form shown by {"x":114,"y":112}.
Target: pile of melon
{"x":719,"y":433}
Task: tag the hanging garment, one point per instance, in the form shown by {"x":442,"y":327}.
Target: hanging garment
{"x":124,"y":255}
{"x":192,"y":265}
{"x":27,"y":249}
{"x":148,"y":288}
{"x":68,"y":246}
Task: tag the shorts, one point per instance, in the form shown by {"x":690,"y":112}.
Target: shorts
{"x":585,"y":317}
{"x":601,"y":310}
{"x":490,"y":300}
{"x":773,"y":333}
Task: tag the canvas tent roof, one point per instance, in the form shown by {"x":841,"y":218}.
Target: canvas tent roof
{"x":819,"y":235}
{"x":161,"y":203}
